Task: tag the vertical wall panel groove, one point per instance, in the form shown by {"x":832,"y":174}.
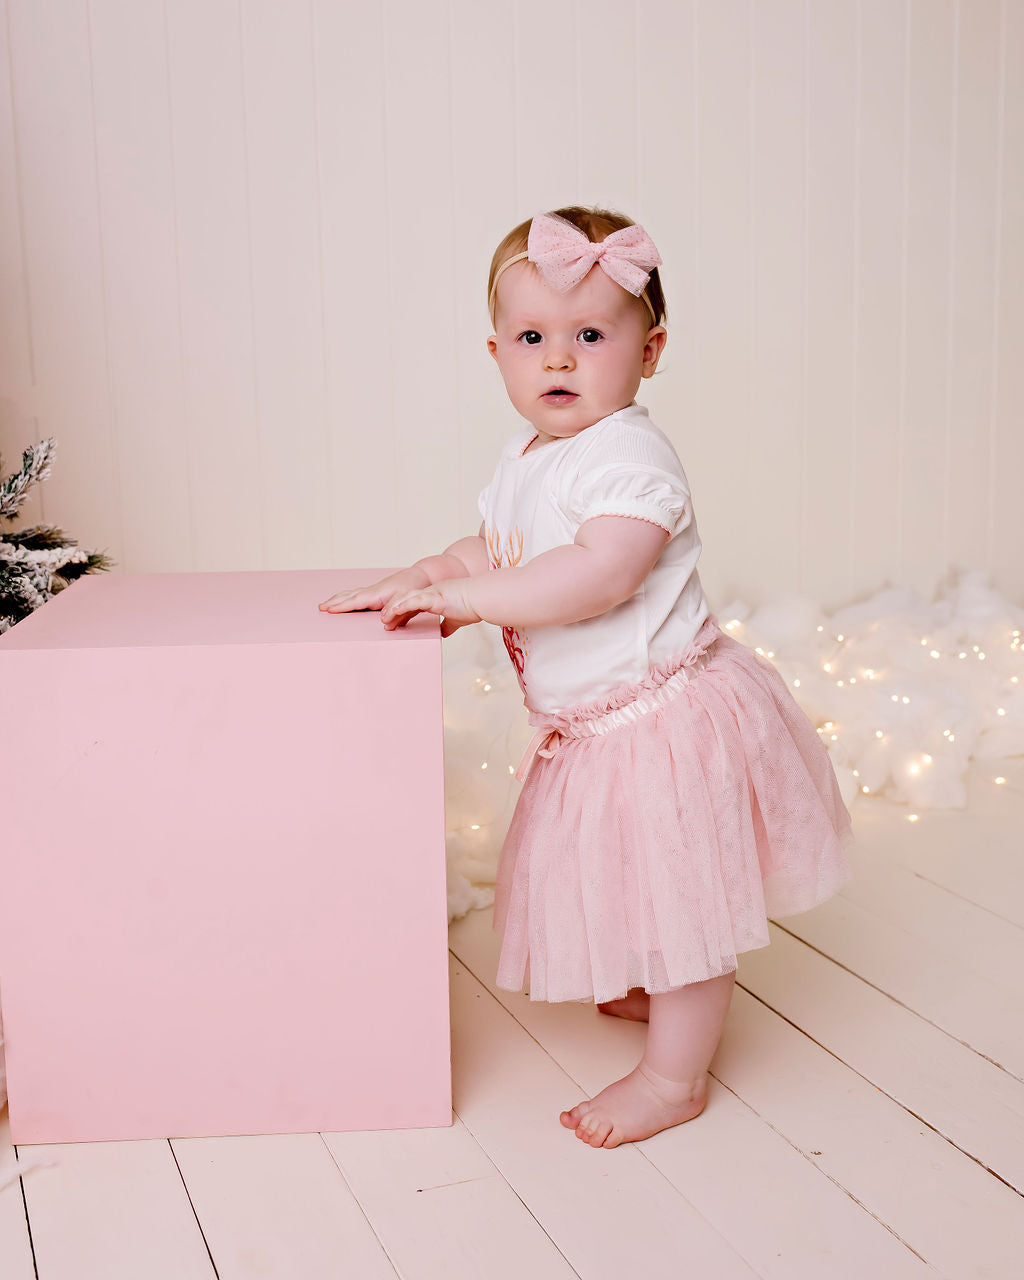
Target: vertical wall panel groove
{"x":18,"y":422}
{"x":954,"y":98}
{"x":329,"y":552}
{"x":244,"y":248}
{"x":127,"y":554}
{"x":261,"y":467}
{"x":997,"y":269}
{"x":1008,"y":389}
{"x":186,"y":416}
{"x":897,"y":563}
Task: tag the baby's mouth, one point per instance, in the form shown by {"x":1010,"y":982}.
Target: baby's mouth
{"x":559,"y":395}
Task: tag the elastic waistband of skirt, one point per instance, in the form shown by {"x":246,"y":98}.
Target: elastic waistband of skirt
{"x":661,"y":683}
{"x":624,"y":704}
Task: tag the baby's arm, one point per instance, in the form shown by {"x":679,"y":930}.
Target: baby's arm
{"x":462,"y":559}
{"x":610,"y":558}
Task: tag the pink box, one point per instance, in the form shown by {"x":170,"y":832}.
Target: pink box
{"x":222,"y":872}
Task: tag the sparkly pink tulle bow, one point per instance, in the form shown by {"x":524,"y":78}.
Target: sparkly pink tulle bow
{"x":563,"y":254}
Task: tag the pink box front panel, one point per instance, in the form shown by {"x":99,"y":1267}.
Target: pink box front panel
{"x":224,"y":890}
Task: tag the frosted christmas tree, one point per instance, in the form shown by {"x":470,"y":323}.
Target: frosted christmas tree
{"x":37,"y":562}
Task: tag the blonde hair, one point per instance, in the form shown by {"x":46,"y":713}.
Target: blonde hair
{"x":595,"y":224}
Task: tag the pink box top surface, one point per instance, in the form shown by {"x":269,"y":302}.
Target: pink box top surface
{"x":278,"y":606}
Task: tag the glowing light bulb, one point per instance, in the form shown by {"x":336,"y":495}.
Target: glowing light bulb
{"x":771,"y":653}
{"x":911,"y":817}
{"x":835,"y":736}
{"x":796,"y":684}
{"x":826,"y":666}
{"x":895,"y":698}
{"x":487,"y":688}
{"x":1000,"y":781}
{"x":866,"y":790}
{"x":475,"y":826}
{"x":961,"y":655}
{"x":905,"y":701}
{"x":1000,"y":711}
{"x":822,"y":629}
{"x":927,"y":759}
{"x":879,"y":733}
{"x":981,"y":657}
{"x":924,"y":639}
{"x":1014,"y":679}
{"x":977,"y":648}
{"x":484,"y":765}
{"x":759,"y":650}
{"x":936,"y":654}
{"x":511,"y":771}
{"x":915,"y":768}
{"x":839,"y":684}
{"x":840,"y":639}
{"x":856,"y":773}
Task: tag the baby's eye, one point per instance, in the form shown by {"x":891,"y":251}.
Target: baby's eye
{"x":590,"y":336}
{"x":531,"y":336}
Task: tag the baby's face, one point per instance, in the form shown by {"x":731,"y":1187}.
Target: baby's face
{"x":594,"y":342}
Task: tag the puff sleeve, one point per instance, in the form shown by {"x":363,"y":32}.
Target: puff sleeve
{"x":631,"y":479}
{"x":481,"y":502}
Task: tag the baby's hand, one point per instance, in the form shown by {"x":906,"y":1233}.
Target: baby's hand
{"x":446,"y":598}
{"x":377,"y":594}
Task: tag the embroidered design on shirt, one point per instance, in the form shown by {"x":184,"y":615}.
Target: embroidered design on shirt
{"x":502,"y":556}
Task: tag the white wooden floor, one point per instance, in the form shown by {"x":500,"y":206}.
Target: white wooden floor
{"x":866,"y":1118}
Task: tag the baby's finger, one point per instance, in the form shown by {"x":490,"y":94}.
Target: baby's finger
{"x":348,"y":601}
{"x":401,"y":608}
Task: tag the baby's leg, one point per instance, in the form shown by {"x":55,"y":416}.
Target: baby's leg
{"x":669,"y":1084}
{"x":635,"y":1005}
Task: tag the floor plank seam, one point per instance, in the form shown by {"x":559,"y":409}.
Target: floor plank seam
{"x":825,"y":1173}
{"x":361,"y":1207}
{"x":637,"y":1146}
{"x":892,"y":1098}
{"x":504,"y":1177}
{"x":896,"y":1000}
{"x":206,"y":1243}
{"x":979,"y":906}
{"x":28,"y":1221}
{"x":497,"y":999}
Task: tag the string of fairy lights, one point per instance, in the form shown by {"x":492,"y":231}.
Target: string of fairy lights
{"x":844,"y":673}
{"x":831,"y":729}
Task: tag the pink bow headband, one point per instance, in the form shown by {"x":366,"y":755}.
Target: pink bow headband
{"x":563,"y":255}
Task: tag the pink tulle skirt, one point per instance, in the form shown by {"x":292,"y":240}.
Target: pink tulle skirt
{"x":662,"y":826}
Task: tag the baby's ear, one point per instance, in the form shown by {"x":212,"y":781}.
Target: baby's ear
{"x":492,"y":345}
{"x":654,"y":346}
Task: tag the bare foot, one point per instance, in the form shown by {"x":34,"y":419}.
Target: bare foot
{"x":635,"y":1107}
{"x":635,"y":1005}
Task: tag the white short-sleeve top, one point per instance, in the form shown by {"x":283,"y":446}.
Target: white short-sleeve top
{"x":623,"y":465}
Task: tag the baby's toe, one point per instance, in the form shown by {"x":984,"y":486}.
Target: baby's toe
{"x":612,"y":1138}
{"x":600,"y":1134}
{"x":591,"y":1129}
{"x":571,"y":1119}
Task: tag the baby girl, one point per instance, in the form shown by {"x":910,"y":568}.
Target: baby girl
{"x":675,"y":796}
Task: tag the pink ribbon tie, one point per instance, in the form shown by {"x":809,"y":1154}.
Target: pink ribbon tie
{"x":563,"y":254}
{"x":540,"y":745}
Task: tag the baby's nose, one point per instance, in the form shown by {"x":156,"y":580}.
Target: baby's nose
{"x":559,"y":359}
